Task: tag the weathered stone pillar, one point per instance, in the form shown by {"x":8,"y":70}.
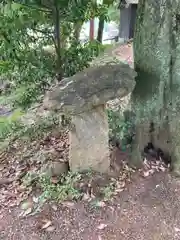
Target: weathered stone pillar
{"x":84,"y":97}
{"x":90,"y":135}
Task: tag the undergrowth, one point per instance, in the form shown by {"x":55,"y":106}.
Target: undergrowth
{"x":120,"y":127}
{"x":14,"y":128}
{"x":63,"y":190}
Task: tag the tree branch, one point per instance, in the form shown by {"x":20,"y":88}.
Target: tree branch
{"x":42,"y":31}
{"x":34,"y":7}
{"x":9,"y":42}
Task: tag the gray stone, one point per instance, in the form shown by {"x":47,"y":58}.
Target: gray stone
{"x":90,"y":88}
{"x":89,"y":141}
{"x":84,"y":97}
{"x":55,"y":169}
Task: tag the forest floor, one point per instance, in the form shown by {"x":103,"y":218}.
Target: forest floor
{"x":147,"y":206}
{"x":149,"y":209}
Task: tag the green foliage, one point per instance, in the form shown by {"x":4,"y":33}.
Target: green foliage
{"x":108,"y":191}
{"x":26,"y":27}
{"x":63,"y":190}
{"x":13,"y":127}
{"x":120,"y":128}
{"x":114,"y":12}
{"x":10,"y":124}
{"x":85,"y":53}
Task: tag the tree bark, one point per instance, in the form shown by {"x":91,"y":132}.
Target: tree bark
{"x":91,"y":30}
{"x":100,"y":29}
{"x":58,"y":40}
{"x":156,"y":96}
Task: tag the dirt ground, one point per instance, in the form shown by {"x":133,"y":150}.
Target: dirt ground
{"x":149,"y":209}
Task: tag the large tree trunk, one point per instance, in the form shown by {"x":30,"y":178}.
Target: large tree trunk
{"x":156,"y":97}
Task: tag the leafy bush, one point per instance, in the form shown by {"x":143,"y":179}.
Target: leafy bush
{"x":10,"y":124}
{"x":78,"y":56}
{"x":120,"y":127}
{"x":60,"y":191}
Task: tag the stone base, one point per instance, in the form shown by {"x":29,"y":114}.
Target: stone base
{"x":89,"y":147}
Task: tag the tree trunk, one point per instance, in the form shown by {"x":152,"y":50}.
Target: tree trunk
{"x":100,"y":29}
{"x":156,"y":96}
{"x":91,"y":30}
{"x":58,"y":40}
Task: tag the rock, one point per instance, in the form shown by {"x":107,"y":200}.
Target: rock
{"x":56,"y":169}
{"x":84,"y":97}
{"x":90,"y":135}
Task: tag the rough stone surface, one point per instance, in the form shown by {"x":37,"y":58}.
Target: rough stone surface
{"x":55,"y":169}
{"x":90,"y":88}
{"x":89,"y":141}
{"x":84,"y":97}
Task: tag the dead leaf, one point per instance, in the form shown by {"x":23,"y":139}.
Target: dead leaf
{"x":146,"y":174}
{"x":35,"y":199}
{"x":118,"y":190}
{"x":54,"y":207}
{"x":50,"y":229}
{"x":28,"y":211}
{"x":54,"y":180}
{"x":101,"y":204}
{"x":102,"y":226}
{"x":163,"y":169}
{"x":26,"y":205}
{"x":68,"y":204}
{"x":176,"y":229}
{"x":86,"y":197}
{"x":47,"y":224}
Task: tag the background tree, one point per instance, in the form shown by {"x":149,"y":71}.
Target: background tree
{"x":103,"y":17}
{"x":27,"y":27}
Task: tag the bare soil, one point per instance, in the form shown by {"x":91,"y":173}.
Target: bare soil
{"x":149,"y":209}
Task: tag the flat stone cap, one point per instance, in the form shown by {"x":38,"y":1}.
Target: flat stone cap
{"x":90,"y":88}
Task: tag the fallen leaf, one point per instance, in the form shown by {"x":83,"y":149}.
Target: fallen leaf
{"x":101,"y":204}
{"x":28,"y":211}
{"x":50,"y":229}
{"x":163,"y":169}
{"x":151,"y":171}
{"x":47,"y":224}
{"x":176,"y":229}
{"x":26,"y":205}
{"x":118,"y":190}
{"x":54,"y":180}
{"x":68,"y":204}
{"x":54,"y":207}
{"x":102,"y":226}
{"x":35,"y":199}
{"x":146,"y":174}
{"x":86,"y":197}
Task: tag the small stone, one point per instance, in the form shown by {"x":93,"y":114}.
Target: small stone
{"x":56,"y":169}
{"x":102,"y":226}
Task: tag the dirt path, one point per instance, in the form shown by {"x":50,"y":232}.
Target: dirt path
{"x":149,"y":209}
